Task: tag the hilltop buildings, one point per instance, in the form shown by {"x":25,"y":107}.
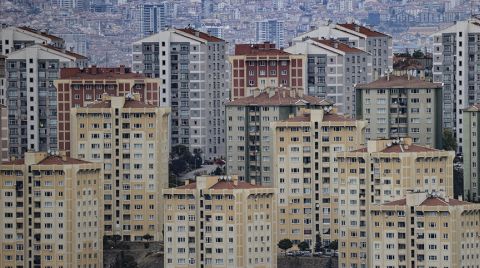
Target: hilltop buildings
{"x":130,"y":138}
{"x":272,"y":31}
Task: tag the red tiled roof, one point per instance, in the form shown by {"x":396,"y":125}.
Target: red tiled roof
{"x":53,"y":37}
{"x":58,"y":160}
{"x":69,"y":53}
{"x":99,"y":73}
{"x":15,"y":162}
{"x":338,"y":45}
{"x":363,"y":30}
{"x":281,"y":97}
{"x":207,"y":37}
{"x":394,"y":81}
{"x":265,"y":49}
{"x":331,"y":117}
{"x":400,"y":202}
{"x":127,"y":104}
{"x":361,"y":150}
{"x":473,"y":108}
{"x":397,"y":148}
{"x":437,"y":201}
{"x":299,"y":118}
{"x":223,"y":184}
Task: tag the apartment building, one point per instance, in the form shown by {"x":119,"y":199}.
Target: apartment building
{"x":220,"y":222}
{"x":192,"y":67}
{"x":272,"y":31}
{"x":402,"y":106}
{"x":471,"y":161}
{"x":32,"y":98}
{"x":4,"y":155}
{"x":77,"y":87}
{"x":333,"y":70}
{"x":16,"y":38}
{"x":130,"y":138}
{"x":456,"y":59}
{"x":155,"y":18}
{"x":51,"y":212}
{"x":249,"y":143}
{"x":304,"y":148}
{"x":382,"y":172}
{"x":3,"y":76}
{"x":424,"y":229}
{"x":262,"y":66}
{"x":379,"y":45}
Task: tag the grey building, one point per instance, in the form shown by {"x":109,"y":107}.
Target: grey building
{"x":154,"y":18}
{"x":192,"y":68}
{"x":402,"y":106}
{"x":471,"y":153}
{"x":32,"y":98}
{"x":333,"y":70}
{"x":456,"y":64}
{"x":272,"y":31}
{"x":249,"y":144}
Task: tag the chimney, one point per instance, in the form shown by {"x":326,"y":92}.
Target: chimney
{"x":335,"y":44}
{"x":447,"y":199}
{"x":122,"y":69}
{"x":460,"y":198}
{"x":187,"y":181}
{"x":197,"y":33}
{"x":235,"y":181}
{"x":93,"y":69}
{"x":357,"y":28}
{"x":63,"y":155}
{"x":252,"y":182}
{"x":271,"y":92}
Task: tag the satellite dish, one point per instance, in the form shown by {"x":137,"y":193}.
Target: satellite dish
{"x":389,"y":144}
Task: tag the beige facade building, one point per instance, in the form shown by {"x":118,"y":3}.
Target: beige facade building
{"x":130,"y":138}
{"x":424,"y":230}
{"x":51,"y":212}
{"x":4,"y":156}
{"x":220,"y":222}
{"x":304,"y":148}
{"x":382,"y":172}
{"x":249,"y":144}
{"x":402,"y":106}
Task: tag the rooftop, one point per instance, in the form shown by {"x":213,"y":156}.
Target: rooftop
{"x":265,"y":49}
{"x":327,"y":117}
{"x":400,"y":148}
{"x":279,"y":97}
{"x":430,"y":201}
{"x":338,"y":45}
{"x":205,"y":36}
{"x":223,"y":184}
{"x":393,"y":81}
{"x":129,"y":103}
{"x":362,"y":29}
{"x":94,"y":72}
{"x":42,"y":33}
{"x":473,"y":108}
{"x":59,"y":160}
{"x":69,"y":53}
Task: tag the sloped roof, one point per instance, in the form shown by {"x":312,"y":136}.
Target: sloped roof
{"x":128,"y":104}
{"x":15,"y":162}
{"x":69,"y":53}
{"x":224,"y":184}
{"x":338,"y":45}
{"x":400,"y":202}
{"x":205,"y":36}
{"x":362,"y":29}
{"x":394,"y":81}
{"x":473,"y":108}
{"x":413,"y":148}
{"x":26,"y":28}
{"x":258,"y":50}
{"x":281,"y":97}
{"x":438,"y":201}
{"x":58,"y":160}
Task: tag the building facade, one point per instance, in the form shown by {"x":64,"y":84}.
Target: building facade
{"x":249,"y":143}
{"x":456,"y":64}
{"x":382,"y":172}
{"x":424,"y":230}
{"x":471,"y":157}
{"x":51,"y":212}
{"x":16,"y":38}
{"x":155,"y":18}
{"x":402,"y":106}
{"x":379,"y":45}
{"x":130,"y":138}
{"x":333,"y":70}
{"x":32,"y":97}
{"x":261,"y":66}
{"x":77,"y":87}
{"x":304,"y":149}
{"x":192,"y":69}
{"x":221,"y":222}
{"x":272,"y":31}
{"x":4,"y":144}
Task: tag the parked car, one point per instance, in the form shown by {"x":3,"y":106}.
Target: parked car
{"x":317,"y":254}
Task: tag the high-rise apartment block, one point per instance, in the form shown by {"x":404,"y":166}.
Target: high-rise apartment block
{"x":3,"y":80}
{"x":130,"y":138}
{"x":333,"y":70}
{"x":51,"y":212}
{"x":471,"y":157}
{"x":379,"y":45}
{"x":424,"y":230}
{"x":260,"y":66}
{"x":272,"y":31}
{"x":382,"y":172}
{"x":154,"y":18}
{"x":249,"y":143}
{"x":402,"y":106}
{"x":4,"y":141}
{"x":192,"y":69}
{"x":304,"y":167}
{"x":221,"y":222}
{"x":77,"y":87}
{"x":456,"y":58}
{"x":16,"y":38}
{"x":32,"y":97}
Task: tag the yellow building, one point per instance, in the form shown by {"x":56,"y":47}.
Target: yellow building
{"x":304,"y":164}
{"x":382,"y":172}
{"x":220,"y":222}
{"x":130,"y":138}
{"x":424,"y":230}
{"x":51,"y":212}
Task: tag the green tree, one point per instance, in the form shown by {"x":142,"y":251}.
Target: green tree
{"x":318,"y":243}
{"x":125,"y":261}
{"x":218,"y":171}
{"x":333,"y":245}
{"x":285,"y":244}
{"x":303,"y":246}
{"x":449,"y":141}
{"x":148,"y":237}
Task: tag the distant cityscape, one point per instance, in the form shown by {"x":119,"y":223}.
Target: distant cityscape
{"x":239,"y":134}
